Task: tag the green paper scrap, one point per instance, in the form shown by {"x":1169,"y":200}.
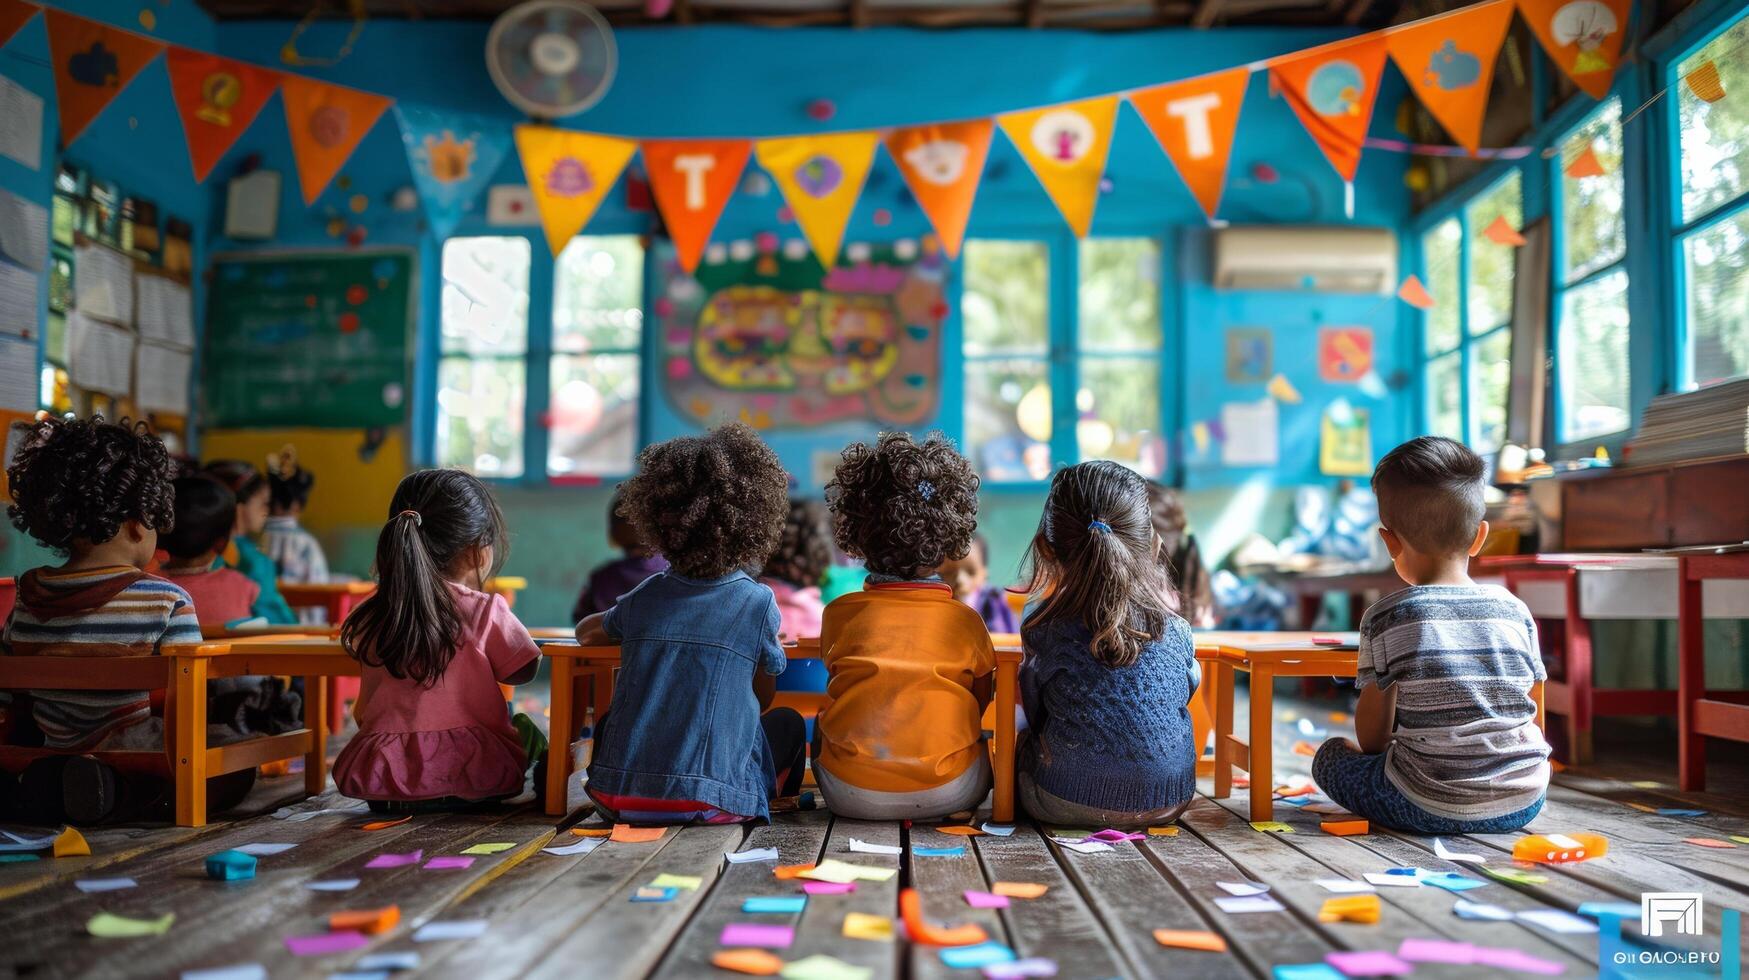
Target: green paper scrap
{"x":488,"y":848}
{"x":688,"y":882}
{"x":1517,"y":876}
{"x":14,"y":858}
{"x":1271,"y":827}
{"x":1740,"y":838}
{"x":822,"y":967}
{"x":109,"y":926}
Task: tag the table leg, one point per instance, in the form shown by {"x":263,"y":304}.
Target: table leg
{"x":1690,"y":681}
{"x":1221,"y":675}
{"x":1311,"y":603}
{"x":1262,"y":749}
{"x":1006,"y":682}
{"x":315,"y":718}
{"x":561,"y":724}
{"x":190,"y":740}
{"x":1578,"y":649}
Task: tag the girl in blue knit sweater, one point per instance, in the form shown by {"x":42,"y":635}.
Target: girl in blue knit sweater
{"x":1109,"y":669}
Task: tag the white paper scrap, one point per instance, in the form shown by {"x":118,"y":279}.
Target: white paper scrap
{"x":332,"y":885}
{"x":583,"y":846}
{"x":21,"y":124}
{"x":1242,"y":887}
{"x":265,"y":850}
{"x":1557,"y":920}
{"x":748,"y":857}
{"x":864,"y":847}
{"x":1393,"y":881}
{"x":1237,"y":904}
{"x":89,"y":885}
{"x":1344,"y":886}
{"x":24,"y":231}
{"x":457,"y":929}
{"x":1446,"y":854}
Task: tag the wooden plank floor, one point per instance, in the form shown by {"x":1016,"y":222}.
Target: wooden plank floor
{"x":570,"y":916}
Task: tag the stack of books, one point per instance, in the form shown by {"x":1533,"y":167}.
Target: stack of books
{"x":1702,"y":424}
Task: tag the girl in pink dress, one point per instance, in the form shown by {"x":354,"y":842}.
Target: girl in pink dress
{"x":433,"y":732}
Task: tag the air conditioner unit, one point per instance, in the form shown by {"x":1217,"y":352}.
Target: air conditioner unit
{"x":1335,"y":259}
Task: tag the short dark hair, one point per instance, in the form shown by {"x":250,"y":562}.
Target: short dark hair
{"x":82,"y":479}
{"x":804,"y":551}
{"x":904,"y":507}
{"x":711,"y":504}
{"x":206,"y":512}
{"x":1430,"y":494}
{"x":620,"y":532}
{"x":243,"y":478}
{"x":288,"y":484}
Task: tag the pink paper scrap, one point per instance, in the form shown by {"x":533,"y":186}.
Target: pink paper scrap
{"x":1436,"y":951}
{"x":448,"y":862}
{"x":1110,"y":836}
{"x":1517,"y":959}
{"x":396,"y":860}
{"x":985,"y":900}
{"x":763,"y":936}
{"x":829,"y":887}
{"x":1369,"y":963}
{"x":324,"y":943}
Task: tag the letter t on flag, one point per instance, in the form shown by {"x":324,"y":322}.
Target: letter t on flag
{"x":1194,"y":121}
{"x":693,"y":181}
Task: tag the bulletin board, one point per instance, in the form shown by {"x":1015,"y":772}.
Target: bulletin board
{"x":316,"y":339}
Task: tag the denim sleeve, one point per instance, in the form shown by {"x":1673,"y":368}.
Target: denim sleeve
{"x":771,"y":655}
{"x":614,"y":622}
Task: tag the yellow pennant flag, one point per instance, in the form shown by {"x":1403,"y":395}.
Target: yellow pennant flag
{"x":1066,"y":146}
{"x":821,"y":177}
{"x":569,"y":173}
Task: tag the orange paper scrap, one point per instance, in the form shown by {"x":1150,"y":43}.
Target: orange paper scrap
{"x":385,"y":824}
{"x":1305,"y":748}
{"x":627,"y":834}
{"x":1350,"y":908}
{"x":924,"y":933}
{"x":1018,"y":889}
{"x":71,"y":843}
{"x":368,"y":921}
{"x":1501,"y":232}
{"x":1560,"y":848}
{"x":592,"y":831}
{"x":1585,"y":165}
{"x":1345,"y":828}
{"x":786,"y":872}
{"x":1162,"y":831}
{"x":1415,"y":294}
{"x":961,"y":831}
{"x":753,"y":962}
{"x":1708,"y":842}
{"x":1190,"y":939}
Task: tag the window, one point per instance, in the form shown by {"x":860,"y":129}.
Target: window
{"x":1004,"y":302}
{"x":598,"y":322}
{"x":1117,"y":406}
{"x":1468,"y":332}
{"x":482,"y":373}
{"x":1591,"y":285}
{"x":1713,"y":234}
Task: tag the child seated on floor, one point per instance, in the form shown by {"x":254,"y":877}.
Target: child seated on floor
{"x":433,"y":731}
{"x":684,"y":740}
{"x":206,"y":513}
{"x":99,"y":493}
{"x":295,"y":552}
{"x":1109,"y":668}
{"x":1448,"y":742}
{"x":969,"y":577}
{"x":243,"y":554}
{"x":794,"y":571}
{"x":610,"y":580}
{"x":911,"y":666}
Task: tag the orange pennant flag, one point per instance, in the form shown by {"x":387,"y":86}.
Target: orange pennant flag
{"x":1584,"y":37}
{"x":1415,"y":294}
{"x":693,"y":181}
{"x":942,"y":165}
{"x":13,"y":15}
{"x":1331,"y":89}
{"x":1585,"y":165}
{"x":1501,"y":232}
{"x":1194,"y":121}
{"x":821,"y":178}
{"x":93,"y":63}
{"x":569,"y":174}
{"x":1449,"y":62}
{"x":217,"y":98}
{"x":1066,"y":146}
{"x":1705,"y":83}
{"x":326,"y":123}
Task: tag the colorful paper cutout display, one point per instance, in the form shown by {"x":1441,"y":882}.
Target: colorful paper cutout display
{"x":942,"y":164}
{"x":93,"y":62}
{"x":326,"y":123}
{"x":395,"y":860}
{"x":14,"y":14}
{"x":452,"y":156}
{"x":689,"y":883}
{"x":986,"y":900}
{"x":753,"y":962}
{"x":1583,"y":37}
{"x":1197,"y":939}
{"x":1066,"y":146}
{"x":650,"y":893}
{"x":1559,"y":848}
{"x":217,"y":98}
{"x":1501,"y":232}
{"x":1332,"y":89}
{"x":1449,"y":62}
{"x":1345,"y":440}
{"x":569,"y":174}
{"x":1368,"y":963}
{"x":829,"y":887}
{"x":823,"y":967}
{"x":1705,"y":83}
{"x":1306,"y":971}
{"x":1585,"y":164}
{"x":449,"y":862}
{"x":692,"y":181}
{"x":488,"y":848}
{"x":1345,"y":355}
{"x":1415,"y":294}
{"x":1194,"y":121}
{"x":975,"y":956}
{"x":821,"y":178}
{"x":774,"y":904}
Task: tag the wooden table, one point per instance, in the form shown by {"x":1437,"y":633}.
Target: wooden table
{"x":1310,"y":588}
{"x":1699,"y":716}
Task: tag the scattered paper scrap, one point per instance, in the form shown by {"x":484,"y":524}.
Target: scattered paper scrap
{"x":1019,"y":889}
{"x":785,"y":872}
{"x":828,"y":887}
{"x":1556,"y":920}
{"x":774,"y":904}
{"x":647,"y":893}
{"x":1325,"y":809}
{"x":488,"y":848}
{"x":1740,"y":838}
{"x":396,"y":860}
{"x":757,"y":935}
{"x":861,"y":925}
{"x":1305,"y":748}
{"x":583,"y":846}
{"x":1307,"y":971}
{"x":91,"y":885}
{"x":1368,"y":963}
{"x":1392,"y":881}
{"x":1345,"y":828}
{"x":1082,"y":846}
{"x":938,"y":852}
{"x":1436,"y":951}
{"x":1516,"y":876}
{"x":17,"y":858}
{"x":1242,"y":887}
{"x":748,"y":857}
{"x":404,"y":959}
{"x":1032,"y":966}
{"x":70,"y":843}
{"x":106,"y":925}
{"x":332,"y":885}
{"x":684,"y":882}
{"x":1451,"y":881}
{"x":1271,"y":827}
{"x":449,"y":862}
{"x":265,"y":850}
{"x":864,"y":847}
{"x":1625,"y":910}
{"x":823,"y":967}
{"x":973,"y":957}
{"x":753,"y":962}
{"x":1447,"y":854}
{"x":326,"y":943}
{"x":998,"y":829}
{"x":1559,"y":848}
{"x":1191,"y":939}
{"x":627,"y":834}
{"x":986,"y":900}
{"x":1350,"y":908}
{"x":1708,"y":842}
{"x":1483,"y":911}
{"x":961,"y":831}
{"x":241,"y":971}
{"x":294,"y":815}
{"x":432,"y":932}
{"x":230,"y":866}
{"x":1344,"y":886}
{"x":1676,"y":811}
{"x":1162,"y":831}
{"x":1240,"y":904}
{"x":22,"y":842}
{"x":1110,"y":836}
{"x":832,"y":869}
{"x":385,"y":824}
{"x":601,"y":832}
{"x":371,"y":922}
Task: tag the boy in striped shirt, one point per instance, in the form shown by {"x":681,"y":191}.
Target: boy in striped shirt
{"x":1447,"y":733}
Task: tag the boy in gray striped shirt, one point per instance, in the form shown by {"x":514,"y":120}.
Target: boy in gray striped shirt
{"x":1446,"y":725}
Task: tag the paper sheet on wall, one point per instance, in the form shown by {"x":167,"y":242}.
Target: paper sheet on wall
{"x":103,"y":283}
{"x":161,"y":381}
{"x":100,"y":357}
{"x":163,"y":312}
{"x":18,"y":380}
{"x":18,"y":306}
{"x":1251,"y":433}
{"x":24,"y":231}
{"x":1345,"y":441}
{"x":21,"y":124}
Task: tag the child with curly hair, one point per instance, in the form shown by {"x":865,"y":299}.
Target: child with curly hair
{"x":99,"y":493}
{"x":684,"y":739}
{"x":911,"y":666}
{"x":1109,"y":669}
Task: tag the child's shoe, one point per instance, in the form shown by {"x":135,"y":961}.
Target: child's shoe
{"x":90,"y":791}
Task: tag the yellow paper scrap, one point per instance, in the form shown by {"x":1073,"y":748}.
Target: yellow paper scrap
{"x":688,"y":882}
{"x":71,"y":843}
{"x":108,"y":926}
{"x":1740,"y":838}
{"x":1350,"y":908}
{"x":843,"y":872}
{"x":861,"y":925}
{"x":823,"y":967}
{"x":488,"y":848}
{"x":1162,"y":831}
{"x":1271,"y":827}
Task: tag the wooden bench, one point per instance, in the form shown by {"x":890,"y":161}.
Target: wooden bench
{"x":1698,"y":716}
{"x":182,"y":672}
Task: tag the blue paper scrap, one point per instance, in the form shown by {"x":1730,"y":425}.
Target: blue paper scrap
{"x":972,"y":957}
{"x":938,"y":852}
{"x":775,"y":903}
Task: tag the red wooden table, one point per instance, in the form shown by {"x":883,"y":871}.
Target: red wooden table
{"x":1698,"y":716}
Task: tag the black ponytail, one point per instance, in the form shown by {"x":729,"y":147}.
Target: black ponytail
{"x":1094,"y":562}
{"x":410,"y":626}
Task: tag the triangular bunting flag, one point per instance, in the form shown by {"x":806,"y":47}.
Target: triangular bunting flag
{"x":693,"y":181}
{"x":1194,"y":121}
{"x":217,"y":98}
{"x":1705,"y":83}
{"x":821,"y":178}
{"x":326,"y":123}
{"x":1415,"y":294}
{"x":1449,"y":62}
{"x":1066,"y":146}
{"x":13,"y":15}
{"x":1331,"y":89}
{"x":1584,"y":165}
{"x":453,"y":157}
{"x":942,"y":164}
{"x":93,"y":63}
{"x":1584,"y":37}
{"x":1501,"y":232}
{"x":569,"y":173}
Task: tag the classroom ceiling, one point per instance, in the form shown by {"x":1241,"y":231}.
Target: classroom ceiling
{"x":1075,"y":14}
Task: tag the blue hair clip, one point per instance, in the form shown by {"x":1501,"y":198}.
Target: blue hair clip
{"x":1100,"y":526}
{"x":925,"y":489}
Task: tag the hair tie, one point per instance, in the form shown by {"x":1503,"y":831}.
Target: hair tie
{"x":1099,"y":526}
{"x":925,"y":489}
{"x":417,"y":520}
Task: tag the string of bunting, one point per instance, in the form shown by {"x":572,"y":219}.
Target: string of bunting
{"x":1448,"y":60}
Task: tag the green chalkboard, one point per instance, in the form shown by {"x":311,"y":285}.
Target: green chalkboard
{"x":308,"y":339}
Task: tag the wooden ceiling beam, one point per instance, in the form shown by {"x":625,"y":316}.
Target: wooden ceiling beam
{"x":1206,"y":12}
